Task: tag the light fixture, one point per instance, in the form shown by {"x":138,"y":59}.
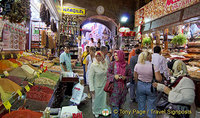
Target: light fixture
{"x":124,"y":19}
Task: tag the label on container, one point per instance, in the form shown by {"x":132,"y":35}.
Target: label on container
{"x":6,"y":73}
{"x":19,"y":93}
{"x":18,"y":56}
{"x":3,"y":56}
{"x":27,"y":88}
{"x":38,"y":75}
{"x":30,"y":83}
{"x":7,"y":105}
{"x":12,"y":56}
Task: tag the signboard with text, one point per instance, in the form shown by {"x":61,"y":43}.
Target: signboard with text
{"x":73,"y":11}
{"x":158,"y":8}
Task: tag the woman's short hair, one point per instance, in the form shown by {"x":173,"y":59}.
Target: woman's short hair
{"x":144,"y":56}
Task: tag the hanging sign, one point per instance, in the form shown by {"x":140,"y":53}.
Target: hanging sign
{"x":73,"y":11}
{"x":124,"y":29}
{"x":158,"y":8}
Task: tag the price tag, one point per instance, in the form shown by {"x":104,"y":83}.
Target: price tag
{"x":7,"y":105}
{"x":19,"y":93}
{"x":18,"y":56}
{"x":0,"y":77}
{"x":38,"y":75}
{"x":3,"y":56}
{"x":27,"y":88}
{"x":12,"y":56}
{"x":40,"y":71}
{"x":6,"y":73}
{"x":30,"y":83}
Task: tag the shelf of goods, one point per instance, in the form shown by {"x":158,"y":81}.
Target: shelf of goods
{"x":28,"y":77}
{"x":35,"y":87}
{"x":193,"y":50}
{"x":66,"y":40}
{"x":129,"y":42}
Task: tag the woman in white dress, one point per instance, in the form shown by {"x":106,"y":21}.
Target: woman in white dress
{"x":97,"y":80}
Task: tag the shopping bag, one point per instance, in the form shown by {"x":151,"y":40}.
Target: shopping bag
{"x":71,"y":112}
{"x":77,"y":93}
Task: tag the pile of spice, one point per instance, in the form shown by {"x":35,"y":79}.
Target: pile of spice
{"x":40,"y":93}
{"x":18,"y":80}
{"x":15,"y":61}
{"x":28,"y":69}
{"x":50,"y":75}
{"x":55,"y":68}
{"x":4,"y":96}
{"x":7,"y":65}
{"x":21,"y":74}
{"x":23,"y":114}
{"x":45,"y":82}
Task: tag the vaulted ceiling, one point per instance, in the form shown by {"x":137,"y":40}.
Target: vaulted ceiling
{"x":114,"y":9}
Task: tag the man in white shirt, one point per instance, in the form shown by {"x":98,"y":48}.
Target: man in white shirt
{"x":92,"y":43}
{"x":104,"y":50}
{"x":160,"y":62}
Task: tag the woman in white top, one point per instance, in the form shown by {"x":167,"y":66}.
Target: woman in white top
{"x":97,"y":80}
{"x":89,"y":60}
{"x":182,"y":88}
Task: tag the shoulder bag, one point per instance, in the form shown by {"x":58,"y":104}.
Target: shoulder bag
{"x":109,"y":85}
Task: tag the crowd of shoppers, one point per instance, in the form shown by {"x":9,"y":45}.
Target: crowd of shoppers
{"x":147,"y":74}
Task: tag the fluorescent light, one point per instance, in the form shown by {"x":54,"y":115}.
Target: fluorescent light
{"x":124,"y":19}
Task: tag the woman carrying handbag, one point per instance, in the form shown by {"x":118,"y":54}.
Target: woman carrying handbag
{"x":119,"y":73}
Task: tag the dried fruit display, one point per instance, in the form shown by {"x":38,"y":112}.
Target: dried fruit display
{"x":45,"y":82}
{"x":195,"y":63}
{"x":55,"y":68}
{"x":43,"y":40}
{"x":51,"y":42}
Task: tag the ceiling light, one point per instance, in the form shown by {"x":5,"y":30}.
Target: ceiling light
{"x":124,"y":19}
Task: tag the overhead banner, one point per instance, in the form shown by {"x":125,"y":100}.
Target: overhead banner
{"x":158,"y":8}
{"x":73,"y":11}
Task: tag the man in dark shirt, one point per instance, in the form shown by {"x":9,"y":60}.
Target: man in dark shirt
{"x":98,"y":46}
{"x":133,"y":62}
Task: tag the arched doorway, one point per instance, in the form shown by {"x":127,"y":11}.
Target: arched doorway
{"x":98,"y":27}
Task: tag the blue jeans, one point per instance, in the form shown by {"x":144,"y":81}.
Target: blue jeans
{"x":84,"y":74}
{"x":115,"y":112}
{"x":145,"y":96}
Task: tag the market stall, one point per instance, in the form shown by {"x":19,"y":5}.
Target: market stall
{"x":177,"y":30}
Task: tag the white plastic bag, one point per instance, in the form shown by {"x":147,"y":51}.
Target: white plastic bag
{"x":71,"y":112}
{"x":77,"y":93}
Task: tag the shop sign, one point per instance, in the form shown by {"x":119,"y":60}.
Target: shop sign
{"x":73,"y":11}
{"x":158,"y":8}
{"x":124,"y":29}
